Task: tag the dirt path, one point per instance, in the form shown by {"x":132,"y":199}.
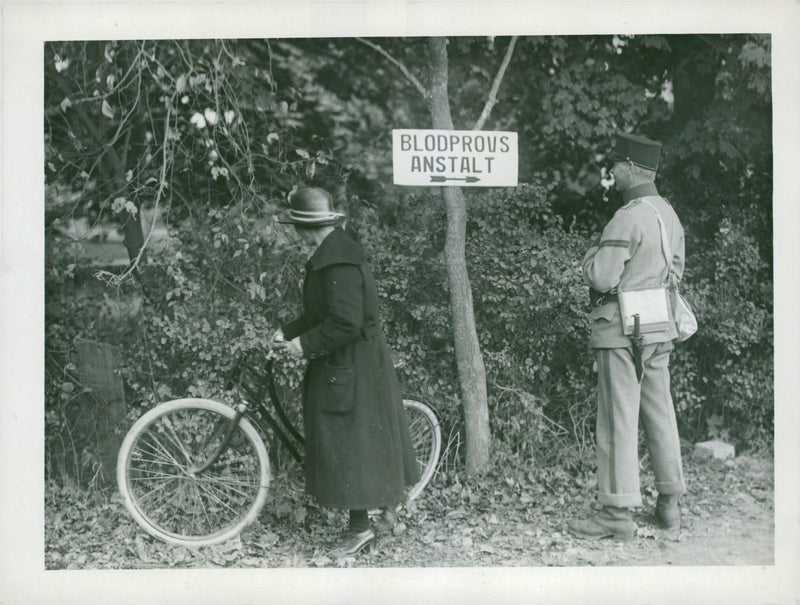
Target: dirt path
{"x":504,"y":520}
{"x":728,"y":519}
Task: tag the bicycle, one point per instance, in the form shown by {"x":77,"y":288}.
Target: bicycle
{"x":196,"y":472}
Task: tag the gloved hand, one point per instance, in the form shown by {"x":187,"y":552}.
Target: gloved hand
{"x":278,"y":341}
{"x":291,"y":347}
{"x":294,"y":348}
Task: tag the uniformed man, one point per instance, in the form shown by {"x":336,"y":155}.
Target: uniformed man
{"x":629,"y":256}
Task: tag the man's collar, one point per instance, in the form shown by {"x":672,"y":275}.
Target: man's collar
{"x":639,"y":191}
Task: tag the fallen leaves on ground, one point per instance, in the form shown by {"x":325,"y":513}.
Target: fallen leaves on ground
{"x":500,"y":519}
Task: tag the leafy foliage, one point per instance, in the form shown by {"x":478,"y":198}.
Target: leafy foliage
{"x":525,"y":273}
{"x":216,"y":133}
{"x":732,"y":356}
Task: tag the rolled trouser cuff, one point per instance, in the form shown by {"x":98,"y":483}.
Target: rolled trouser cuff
{"x":671,"y":488}
{"x":630,"y":500}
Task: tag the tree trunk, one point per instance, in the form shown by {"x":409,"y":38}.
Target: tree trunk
{"x":471,"y":371}
{"x":134,"y":236}
{"x":111,"y":166}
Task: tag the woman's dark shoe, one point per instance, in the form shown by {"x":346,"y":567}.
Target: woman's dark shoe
{"x":668,"y":513}
{"x":610,"y":522}
{"x":353,"y":543}
{"x":385,"y":521}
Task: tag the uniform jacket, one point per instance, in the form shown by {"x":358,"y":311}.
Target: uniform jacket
{"x":629,"y":256}
{"x":358,"y":449}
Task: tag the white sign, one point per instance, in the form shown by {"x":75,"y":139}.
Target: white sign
{"x":460,"y":158}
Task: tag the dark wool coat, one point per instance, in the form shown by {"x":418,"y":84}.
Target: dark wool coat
{"x":358,"y":449}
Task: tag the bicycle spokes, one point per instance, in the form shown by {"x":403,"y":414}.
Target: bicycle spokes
{"x":165,"y":486}
{"x":421,"y":441}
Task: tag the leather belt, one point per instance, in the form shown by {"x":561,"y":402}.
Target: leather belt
{"x":597,"y":299}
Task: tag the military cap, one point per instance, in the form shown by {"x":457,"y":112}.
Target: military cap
{"x":312,"y":207}
{"x":639,"y":150}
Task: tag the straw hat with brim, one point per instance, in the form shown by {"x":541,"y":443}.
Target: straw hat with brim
{"x":312,"y":207}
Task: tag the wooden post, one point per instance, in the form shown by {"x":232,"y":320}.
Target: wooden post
{"x":97,"y":363}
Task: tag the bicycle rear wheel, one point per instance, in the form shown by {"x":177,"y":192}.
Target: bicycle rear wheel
{"x":156,"y":473}
{"x":426,"y":437}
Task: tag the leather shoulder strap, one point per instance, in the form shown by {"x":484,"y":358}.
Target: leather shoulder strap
{"x":665,"y":247}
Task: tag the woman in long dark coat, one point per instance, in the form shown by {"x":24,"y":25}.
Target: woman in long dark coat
{"x":358,"y":450}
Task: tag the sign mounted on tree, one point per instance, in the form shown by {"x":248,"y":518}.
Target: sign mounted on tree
{"x":455,"y":158}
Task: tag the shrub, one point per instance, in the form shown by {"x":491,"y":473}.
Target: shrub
{"x":723,"y":376}
{"x":226,"y":279}
{"x":529,"y":305}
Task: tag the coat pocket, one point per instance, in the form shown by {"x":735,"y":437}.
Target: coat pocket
{"x":340,"y":389}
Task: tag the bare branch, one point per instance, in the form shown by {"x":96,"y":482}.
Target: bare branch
{"x":380,"y":50}
{"x":94,"y":129}
{"x":490,"y":102}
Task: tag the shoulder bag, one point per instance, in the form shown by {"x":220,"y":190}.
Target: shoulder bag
{"x":685,"y":320}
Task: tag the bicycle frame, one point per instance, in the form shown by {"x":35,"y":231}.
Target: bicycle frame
{"x":289,"y":436}
{"x":282,"y":428}
{"x":154,"y":456}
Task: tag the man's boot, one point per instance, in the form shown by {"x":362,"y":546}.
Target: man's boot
{"x":610,"y":522}
{"x":668,"y":514}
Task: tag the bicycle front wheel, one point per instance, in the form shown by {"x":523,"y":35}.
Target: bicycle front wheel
{"x":158,"y":479}
{"x":426,"y":438}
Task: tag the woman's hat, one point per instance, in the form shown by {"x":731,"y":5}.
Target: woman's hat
{"x":639,"y":150}
{"x":312,"y":207}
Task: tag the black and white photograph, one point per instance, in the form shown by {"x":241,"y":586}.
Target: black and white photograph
{"x":345,"y":302}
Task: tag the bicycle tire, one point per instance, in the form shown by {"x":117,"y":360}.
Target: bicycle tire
{"x":426,"y":438}
{"x":172,"y":502}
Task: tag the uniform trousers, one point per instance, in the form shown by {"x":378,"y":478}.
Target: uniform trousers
{"x":621,"y":401}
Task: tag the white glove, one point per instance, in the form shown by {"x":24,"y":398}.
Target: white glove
{"x":294,"y":348}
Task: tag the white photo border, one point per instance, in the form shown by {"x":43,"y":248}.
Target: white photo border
{"x":26,"y":26}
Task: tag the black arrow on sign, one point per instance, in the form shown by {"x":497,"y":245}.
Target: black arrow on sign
{"x":442,"y":179}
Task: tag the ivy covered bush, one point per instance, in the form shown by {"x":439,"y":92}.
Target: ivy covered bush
{"x":214,"y":133}
{"x":530,"y":310}
{"x":224,"y":281}
{"x":723,"y":376}
{"x":217,"y":289}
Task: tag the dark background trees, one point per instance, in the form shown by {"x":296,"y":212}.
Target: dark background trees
{"x":205,"y":138}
